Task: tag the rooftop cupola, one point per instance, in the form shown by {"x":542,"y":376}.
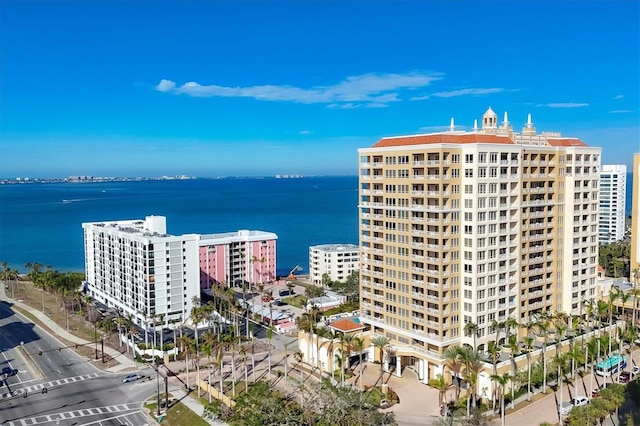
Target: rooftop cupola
{"x":489,"y":119}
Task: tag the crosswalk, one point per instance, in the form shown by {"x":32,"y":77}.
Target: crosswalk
{"x":37,"y":388}
{"x":57,"y":417}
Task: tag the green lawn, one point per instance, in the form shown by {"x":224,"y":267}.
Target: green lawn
{"x":177,"y":415}
{"x":298,"y":301}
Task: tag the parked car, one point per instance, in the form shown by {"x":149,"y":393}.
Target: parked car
{"x":625,"y":376}
{"x":279,"y":302}
{"x":131,"y":378}
{"x":8,"y":371}
{"x":578,"y":401}
{"x":266,"y":298}
{"x":596,"y":392}
{"x":286,"y":293}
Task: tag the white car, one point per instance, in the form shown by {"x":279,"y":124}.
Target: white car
{"x":635,"y":370}
{"x":131,"y":378}
{"x":578,"y":401}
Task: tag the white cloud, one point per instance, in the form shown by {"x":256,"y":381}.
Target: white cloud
{"x":165,"y":86}
{"x":565,"y":105}
{"x":304,"y":132}
{"x":470,"y":91}
{"x":371,"y":89}
{"x":620,"y":111}
{"x":618,"y":97}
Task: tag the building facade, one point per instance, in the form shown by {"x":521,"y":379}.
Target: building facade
{"x":613,"y":192}
{"x":635,"y":222}
{"x":338,"y":261}
{"x":137,"y":268}
{"x":479,"y":226}
{"x":234,"y":258}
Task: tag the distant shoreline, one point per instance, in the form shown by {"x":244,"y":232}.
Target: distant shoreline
{"x":92,"y":179}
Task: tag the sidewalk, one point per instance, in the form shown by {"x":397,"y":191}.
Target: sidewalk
{"x":545,"y":409}
{"x":124,"y":362}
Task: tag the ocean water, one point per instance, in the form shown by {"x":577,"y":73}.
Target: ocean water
{"x":38,"y":225}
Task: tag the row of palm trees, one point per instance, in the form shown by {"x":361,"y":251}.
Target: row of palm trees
{"x":65,"y":286}
{"x":346,"y":342}
{"x":558,"y":326}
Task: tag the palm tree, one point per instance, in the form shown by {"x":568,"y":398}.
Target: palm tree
{"x":341,"y":359}
{"x":502,"y":380}
{"x":624,"y":297}
{"x":358,"y":345}
{"x":269,"y":337}
{"x":613,"y":295}
{"x":472,"y":366}
{"x":494,"y":355}
{"x":543,"y":326}
{"x":383,"y":344}
{"x":576,"y":355}
{"x":510,"y":324}
{"x":635,"y":274}
{"x":186,"y":343}
{"x":348,"y":340}
{"x":208,"y":350}
{"x":219,"y":363}
{"x":452,"y":359}
{"x":290,"y":287}
{"x":441,"y":384}
{"x":231,"y":340}
{"x":243,"y":354}
{"x":528,"y":344}
{"x":497,"y":326}
{"x":559,"y":362}
{"x":513,"y":347}
{"x":471,"y":329}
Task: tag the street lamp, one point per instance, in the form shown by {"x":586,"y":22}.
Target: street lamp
{"x":158,"y":387}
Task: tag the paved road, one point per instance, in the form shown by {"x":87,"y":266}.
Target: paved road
{"x":60,"y":387}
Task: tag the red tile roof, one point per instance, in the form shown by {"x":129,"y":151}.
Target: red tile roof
{"x":345,"y":325}
{"x":565,"y":142}
{"x":443,"y":138}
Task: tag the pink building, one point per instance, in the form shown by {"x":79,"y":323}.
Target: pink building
{"x":232,"y":258}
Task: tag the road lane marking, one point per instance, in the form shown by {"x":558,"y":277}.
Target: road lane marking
{"x":133,"y":408}
{"x":38,"y":387}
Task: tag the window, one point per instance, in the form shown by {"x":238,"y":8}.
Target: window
{"x":468,"y":173}
{"x":468,"y":158}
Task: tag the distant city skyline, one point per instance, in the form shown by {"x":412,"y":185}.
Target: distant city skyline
{"x":263,"y":88}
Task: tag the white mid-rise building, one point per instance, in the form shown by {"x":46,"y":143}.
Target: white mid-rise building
{"x":338,"y":261}
{"x":613,"y":192}
{"x":137,"y":268}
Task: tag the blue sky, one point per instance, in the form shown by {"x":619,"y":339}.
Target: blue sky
{"x":224,"y":88}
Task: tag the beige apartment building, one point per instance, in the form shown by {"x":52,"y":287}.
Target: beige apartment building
{"x":473,"y":226}
{"x":635,"y":221}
